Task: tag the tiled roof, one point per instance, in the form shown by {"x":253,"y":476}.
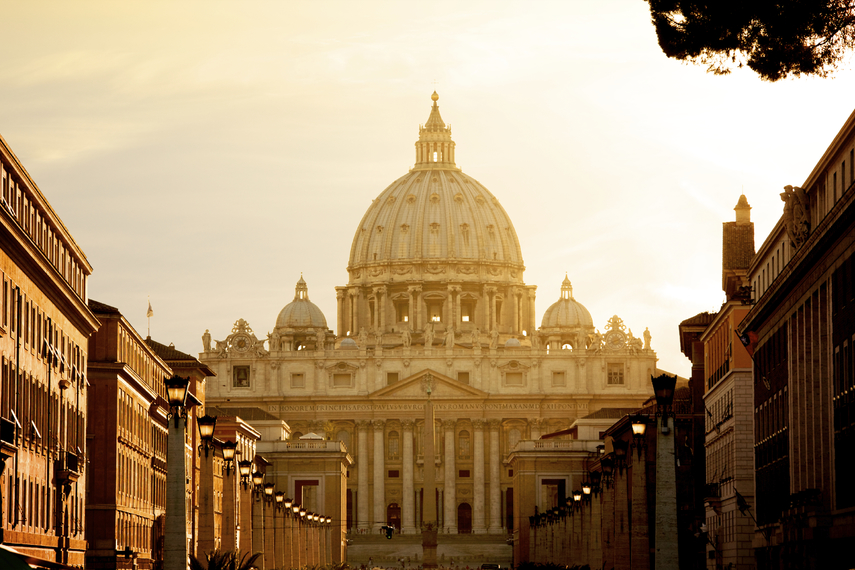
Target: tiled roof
{"x":98,"y":307}
{"x":247,"y":414}
{"x":168,"y":352}
{"x":700,"y":319}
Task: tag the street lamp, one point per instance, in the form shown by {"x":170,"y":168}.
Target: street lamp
{"x":280,"y":497}
{"x":229,"y":449}
{"x":206,"y":433}
{"x":608,"y":465}
{"x":639,"y":428}
{"x":176,"y":390}
{"x":577,"y":499}
{"x":665,"y":535}
{"x":586,"y":491}
{"x":268,"y":492}
{"x":663,"y":389}
{"x":257,"y":484}
{"x":596,"y":477}
{"x":245,"y":468}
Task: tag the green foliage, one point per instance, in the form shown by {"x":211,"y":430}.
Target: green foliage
{"x":774,"y":38}
{"x":225,"y":560}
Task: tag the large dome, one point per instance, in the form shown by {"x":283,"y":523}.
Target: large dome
{"x":301,"y":313}
{"x":435,"y":216}
{"x":566,"y":313}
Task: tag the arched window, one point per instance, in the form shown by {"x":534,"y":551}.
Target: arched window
{"x":344,"y":437}
{"x":513,"y":438}
{"x":393,"y":445}
{"x":463,"y":444}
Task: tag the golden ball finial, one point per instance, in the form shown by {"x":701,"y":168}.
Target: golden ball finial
{"x":434,"y":97}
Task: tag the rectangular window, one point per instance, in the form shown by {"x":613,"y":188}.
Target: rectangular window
{"x":558,"y":379}
{"x":240,"y":376}
{"x":463,"y":377}
{"x":834,"y":186}
{"x":394,"y":474}
{"x":615,"y":373}
{"x":342,"y":380}
{"x":391,"y":378}
{"x":513,"y":379}
{"x":298,"y":380}
{"x":464,"y":473}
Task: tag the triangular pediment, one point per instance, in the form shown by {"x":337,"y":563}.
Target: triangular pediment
{"x":442,"y":387}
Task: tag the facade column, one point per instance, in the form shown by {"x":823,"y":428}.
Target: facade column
{"x":270,"y":558}
{"x":493,"y":319}
{"x":666,"y":555}
{"x":287,"y":544}
{"x":517,"y":306}
{"x":416,"y":315}
{"x":245,"y":539}
{"x":362,"y":474}
{"x":229,"y":540}
{"x":354,"y":325}
{"x":175,"y":532}
{"x":339,"y":301}
{"x":456,"y":319}
{"x":450,"y":478}
{"x":379,"y":475}
{"x":411,"y":319}
{"x":205,"y":542}
{"x":640,"y":548}
{"x":258,"y":528}
{"x":382,"y":298}
{"x":409,"y":523}
{"x":532,"y":321}
{"x":495,"y":489}
{"x":478,"y":511}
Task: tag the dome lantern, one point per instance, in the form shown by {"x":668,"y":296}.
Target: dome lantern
{"x":301,"y":313}
{"x":566,"y":288}
{"x":435,"y":149}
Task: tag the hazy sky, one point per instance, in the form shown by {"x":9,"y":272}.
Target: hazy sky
{"x":206,"y":153}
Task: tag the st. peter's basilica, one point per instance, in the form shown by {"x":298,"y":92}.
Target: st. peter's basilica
{"x":435,"y":306}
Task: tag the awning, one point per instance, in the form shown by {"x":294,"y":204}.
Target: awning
{"x":11,"y":559}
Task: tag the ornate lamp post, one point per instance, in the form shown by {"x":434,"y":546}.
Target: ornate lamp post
{"x":206,"y":433}
{"x":175,"y":533}
{"x":245,"y":468}
{"x":258,"y":534}
{"x":667,"y":551}
{"x":639,"y":429}
{"x":229,"y":449}
{"x":229,"y":531}
{"x":297,"y":552}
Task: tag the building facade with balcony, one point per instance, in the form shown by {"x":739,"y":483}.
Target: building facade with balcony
{"x":44,"y":326}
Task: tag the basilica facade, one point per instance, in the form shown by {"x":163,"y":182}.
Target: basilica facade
{"x":435,"y":306}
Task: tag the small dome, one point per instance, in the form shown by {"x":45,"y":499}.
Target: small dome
{"x":348,"y":344}
{"x":301,"y":313}
{"x":512,"y":343}
{"x":567,"y":312}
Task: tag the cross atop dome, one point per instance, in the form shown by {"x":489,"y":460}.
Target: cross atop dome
{"x":435,"y":149}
